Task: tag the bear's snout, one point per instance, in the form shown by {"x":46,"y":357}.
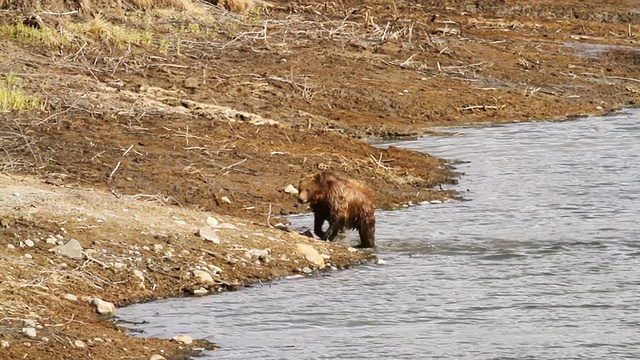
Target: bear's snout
{"x":301,"y":200}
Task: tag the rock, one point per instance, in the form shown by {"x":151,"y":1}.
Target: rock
{"x":140,"y":275}
{"x":118,"y":265}
{"x":215,"y":269}
{"x":256,"y":252}
{"x":311,"y":254}
{"x":209,"y":234}
{"x":226,"y":199}
{"x":290,"y":189}
{"x":157,"y":357}
{"x":29,"y":323}
{"x":306,"y":270}
{"x":28,"y":256}
{"x":380,"y":262}
{"x":184,"y":339}
{"x":10,"y":246}
{"x":4,"y":343}
{"x":203,"y":277}
{"x":79,"y":344}
{"x":104,"y":307}
{"x":30,"y":332}
{"x":157,"y":247}
{"x":435,"y":202}
{"x":70,"y":297}
{"x":200,"y":292}
{"x":29,"y":243}
{"x":226,"y":226}
{"x":72,"y":249}
{"x":211,"y":221}
{"x":51,"y":240}
{"x":146,"y":248}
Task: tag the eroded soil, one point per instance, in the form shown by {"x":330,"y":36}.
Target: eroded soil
{"x":215,"y":113}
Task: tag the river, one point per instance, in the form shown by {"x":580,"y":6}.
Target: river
{"x":542,"y":262}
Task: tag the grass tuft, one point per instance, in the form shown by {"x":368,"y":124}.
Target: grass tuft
{"x":29,"y":34}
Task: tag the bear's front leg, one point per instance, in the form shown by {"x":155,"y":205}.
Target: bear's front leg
{"x":318,"y":221}
{"x":334,"y":228}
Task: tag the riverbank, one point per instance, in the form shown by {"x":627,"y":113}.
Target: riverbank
{"x":128,"y":126}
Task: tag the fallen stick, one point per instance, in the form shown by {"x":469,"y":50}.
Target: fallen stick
{"x":483,"y":107}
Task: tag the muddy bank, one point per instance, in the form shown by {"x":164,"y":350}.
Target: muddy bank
{"x":131,"y":250}
{"x":138,"y":122}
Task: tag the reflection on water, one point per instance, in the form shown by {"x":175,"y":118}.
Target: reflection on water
{"x":543,"y":262}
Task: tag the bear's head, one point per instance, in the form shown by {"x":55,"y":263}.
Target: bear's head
{"x":314,"y":188}
{"x":309,"y":185}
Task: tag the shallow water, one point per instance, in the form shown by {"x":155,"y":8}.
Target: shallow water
{"x":542,"y":262}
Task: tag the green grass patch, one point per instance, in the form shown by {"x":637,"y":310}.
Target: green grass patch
{"x":29,"y":34}
{"x":11,"y":98}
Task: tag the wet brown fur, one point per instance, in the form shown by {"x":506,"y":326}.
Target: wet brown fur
{"x":344,"y":203}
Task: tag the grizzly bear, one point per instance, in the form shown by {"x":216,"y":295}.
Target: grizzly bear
{"x":344,"y":203}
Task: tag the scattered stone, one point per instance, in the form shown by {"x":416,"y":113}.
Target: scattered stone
{"x":104,"y":307}
{"x":157,"y":357}
{"x":290,"y":189}
{"x":10,"y":246}
{"x":79,"y":344}
{"x":30,"y":332}
{"x":256,"y":252}
{"x":226,"y":199}
{"x":380,"y":262}
{"x":157,"y":247}
{"x":184,"y":339}
{"x":72,"y":249}
{"x":29,"y":323}
{"x":215,"y":269}
{"x":4,"y":343}
{"x":70,"y":297}
{"x":45,"y":339}
{"x":146,"y":248}
{"x":97,"y":339}
{"x":118,"y":265}
{"x":209,"y":234}
{"x":435,"y":202}
{"x":281,"y":226}
{"x":200,"y":292}
{"x":306,"y":270}
{"x":140,"y":275}
{"x":211,"y":221}
{"x":311,"y":254}
{"x":29,"y":243}
{"x":203,"y":277}
{"x":28,"y":256}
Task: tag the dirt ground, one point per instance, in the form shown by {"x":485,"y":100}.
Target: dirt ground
{"x":151,"y":119}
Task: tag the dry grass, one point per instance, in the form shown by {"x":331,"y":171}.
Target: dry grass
{"x":237,"y":6}
{"x":186,"y":5}
{"x":99,"y":27}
